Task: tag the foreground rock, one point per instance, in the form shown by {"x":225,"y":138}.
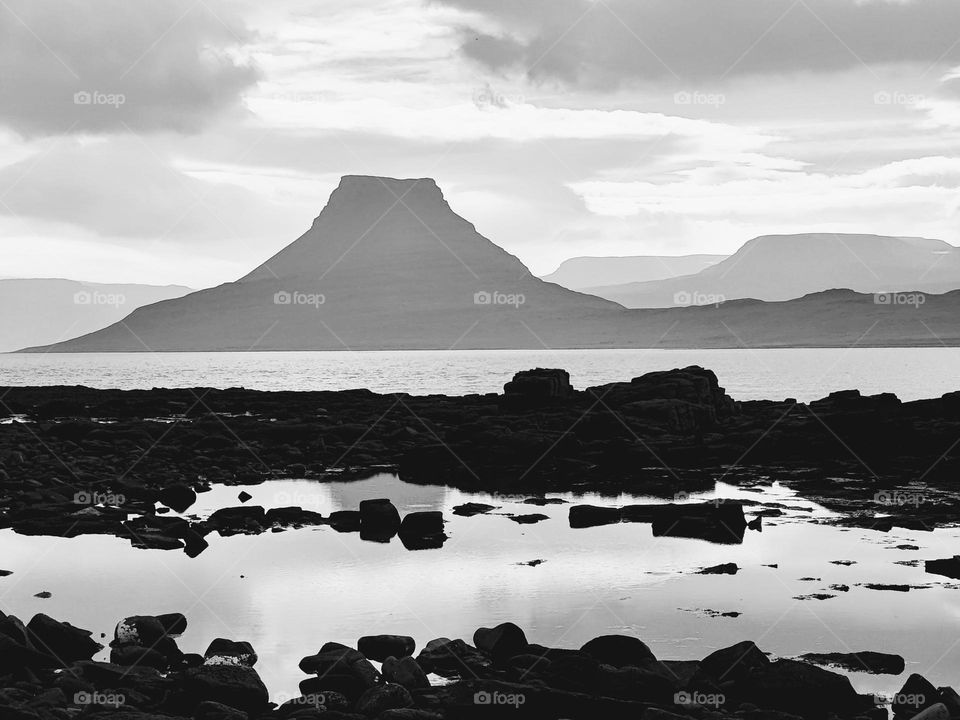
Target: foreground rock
{"x":501,"y":675}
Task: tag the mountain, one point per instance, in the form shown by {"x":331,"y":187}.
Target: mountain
{"x":388,"y":265}
{"x":782,"y":267}
{"x":581,"y":273}
{"x":38,"y":311}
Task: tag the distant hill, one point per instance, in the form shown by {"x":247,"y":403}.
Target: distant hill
{"x":581,"y":273}
{"x":388,"y":265}
{"x":38,"y":311}
{"x":782,"y":267}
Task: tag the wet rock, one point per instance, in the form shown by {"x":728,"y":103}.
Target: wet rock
{"x":801,"y":688}
{"x":423,"y":530}
{"x":735,"y":662}
{"x":584,"y":516}
{"x":345,"y":520}
{"x":948,"y":567}
{"x":453,"y":658}
{"x":209,"y":710}
{"x":917,"y":694}
{"x":62,"y":640}
{"x":619,"y":650}
{"x":230,"y":652}
{"x":539,"y":384}
{"x":380,"y":647}
{"x":244,"y":496}
{"x":381,"y":698}
{"x":724,"y":569}
{"x":237,"y":686}
{"x":405,"y":671}
{"x":876,"y":663}
{"x":379,"y":519}
{"x":471,"y":508}
{"x":501,"y":642}
{"x":131,"y":655}
{"x":340,"y":669}
{"x":177,"y":497}
{"x":529,"y":519}
{"x":238,"y":520}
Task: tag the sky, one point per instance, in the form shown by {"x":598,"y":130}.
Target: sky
{"x":185,"y":142}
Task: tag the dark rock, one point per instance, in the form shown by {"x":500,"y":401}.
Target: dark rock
{"x":209,"y":710}
{"x":584,"y":516}
{"x":916,"y":694}
{"x":801,"y":688}
{"x":423,"y":530}
{"x":735,"y":662}
{"x":948,"y":567}
{"x":338,"y":668}
{"x":619,"y":650}
{"x":529,"y":519}
{"x":345,"y":520}
{"x":724,"y":569}
{"x":237,"y":686}
{"x":380,"y":647}
{"x":405,"y":671}
{"x":230,"y":652}
{"x":539,"y":384}
{"x":471,"y":508}
{"x":238,"y":520}
{"x":62,"y":640}
{"x":501,"y":642}
{"x":453,"y":658}
{"x":379,"y":519}
{"x":876,"y":663}
{"x":244,"y":496}
{"x":140,"y":656}
{"x":381,"y":698}
{"x":177,"y":497}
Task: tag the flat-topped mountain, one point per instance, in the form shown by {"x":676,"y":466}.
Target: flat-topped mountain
{"x":782,"y":267}
{"x":588,"y":273}
{"x":36,"y":311}
{"x":388,"y":265}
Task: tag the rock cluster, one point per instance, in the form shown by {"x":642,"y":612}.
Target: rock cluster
{"x":46,"y":673}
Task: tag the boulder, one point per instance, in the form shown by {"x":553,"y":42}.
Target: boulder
{"x":338,"y":669}
{"x":177,"y":497}
{"x":917,"y":694}
{"x":501,"y":642}
{"x":948,"y":567}
{"x":381,"y":698}
{"x":62,"y":640}
{"x":380,"y":647}
{"x":453,"y":658}
{"x":734,"y":662}
{"x":237,"y":686}
{"x":423,"y":530}
{"x":619,"y":651}
{"x":802,"y":689}
{"x":379,"y":519}
{"x":405,"y":671}
{"x":539,"y":384}
{"x":230,"y":652}
{"x":584,"y":516}
{"x":345,"y":520}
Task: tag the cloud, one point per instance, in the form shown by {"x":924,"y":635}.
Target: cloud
{"x":606,"y":43}
{"x":69,"y":66}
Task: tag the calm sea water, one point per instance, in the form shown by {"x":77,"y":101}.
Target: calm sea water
{"x":290,"y":592}
{"x":805,"y":374}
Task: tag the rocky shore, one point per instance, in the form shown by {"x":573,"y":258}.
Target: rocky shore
{"x":76,"y":460}
{"x":47,"y":673}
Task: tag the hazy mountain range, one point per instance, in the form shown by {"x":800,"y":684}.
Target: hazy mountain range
{"x":782,"y":267}
{"x":587,"y":273}
{"x":37,"y":311}
{"x":388,"y":265}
